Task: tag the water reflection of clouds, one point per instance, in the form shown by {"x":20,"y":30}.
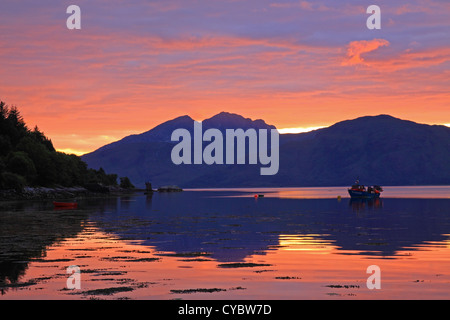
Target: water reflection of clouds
{"x":313,"y":243}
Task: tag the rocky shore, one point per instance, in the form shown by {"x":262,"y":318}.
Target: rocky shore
{"x":42,"y":193}
{"x":90,"y":190}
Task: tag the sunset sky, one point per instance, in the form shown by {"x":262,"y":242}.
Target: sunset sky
{"x":295,"y":64}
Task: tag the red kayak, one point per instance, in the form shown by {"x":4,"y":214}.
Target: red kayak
{"x":69,"y":205}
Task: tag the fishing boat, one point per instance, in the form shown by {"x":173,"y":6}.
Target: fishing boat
{"x":66,"y":205}
{"x":359,"y":191}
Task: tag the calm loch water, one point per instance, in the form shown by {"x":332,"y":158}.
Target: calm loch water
{"x":294,"y":243}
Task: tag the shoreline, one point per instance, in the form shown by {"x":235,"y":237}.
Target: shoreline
{"x":46,"y":193}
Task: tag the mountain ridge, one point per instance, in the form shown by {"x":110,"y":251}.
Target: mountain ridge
{"x":379,"y":149}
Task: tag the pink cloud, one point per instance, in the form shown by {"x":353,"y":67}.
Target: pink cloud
{"x":356,"y":48}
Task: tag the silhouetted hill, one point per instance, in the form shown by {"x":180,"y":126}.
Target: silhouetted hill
{"x":28,"y":158}
{"x":379,"y":149}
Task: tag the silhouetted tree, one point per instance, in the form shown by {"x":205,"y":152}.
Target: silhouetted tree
{"x":125,"y":183}
{"x":19,"y":163}
{"x":27,"y":157}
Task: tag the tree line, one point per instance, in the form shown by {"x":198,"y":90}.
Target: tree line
{"x":28,"y":158}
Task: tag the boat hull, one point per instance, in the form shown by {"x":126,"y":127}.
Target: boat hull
{"x":67,"y":205}
{"x":356,"y":194}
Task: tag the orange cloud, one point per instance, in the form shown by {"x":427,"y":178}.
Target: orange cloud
{"x":356,"y":48}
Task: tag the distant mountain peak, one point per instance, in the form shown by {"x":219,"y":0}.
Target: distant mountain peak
{"x":228,"y":120}
{"x":181,"y":118}
{"x":386,"y":117}
{"x":226,"y":114}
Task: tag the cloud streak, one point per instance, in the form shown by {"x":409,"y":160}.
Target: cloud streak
{"x":356,"y":48}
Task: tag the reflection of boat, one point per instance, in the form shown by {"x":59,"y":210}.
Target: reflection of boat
{"x":66,"y":205}
{"x":360,"y":191}
{"x":362,"y":203}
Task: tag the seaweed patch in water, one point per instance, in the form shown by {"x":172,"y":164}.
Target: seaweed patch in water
{"x":237,"y":288}
{"x":134,"y":251}
{"x":242,"y":265}
{"x":198,"y":290}
{"x":103,"y":272}
{"x":129,"y":259}
{"x":205,"y":290}
{"x":264,"y":270}
{"x":195,"y":259}
{"x":18,"y":284}
{"x":185,"y":254}
{"x":52,"y":260}
{"x":346,"y":286}
{"x":107,"y":291}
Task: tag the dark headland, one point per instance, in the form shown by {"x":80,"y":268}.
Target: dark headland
{"x":31,"y":168}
